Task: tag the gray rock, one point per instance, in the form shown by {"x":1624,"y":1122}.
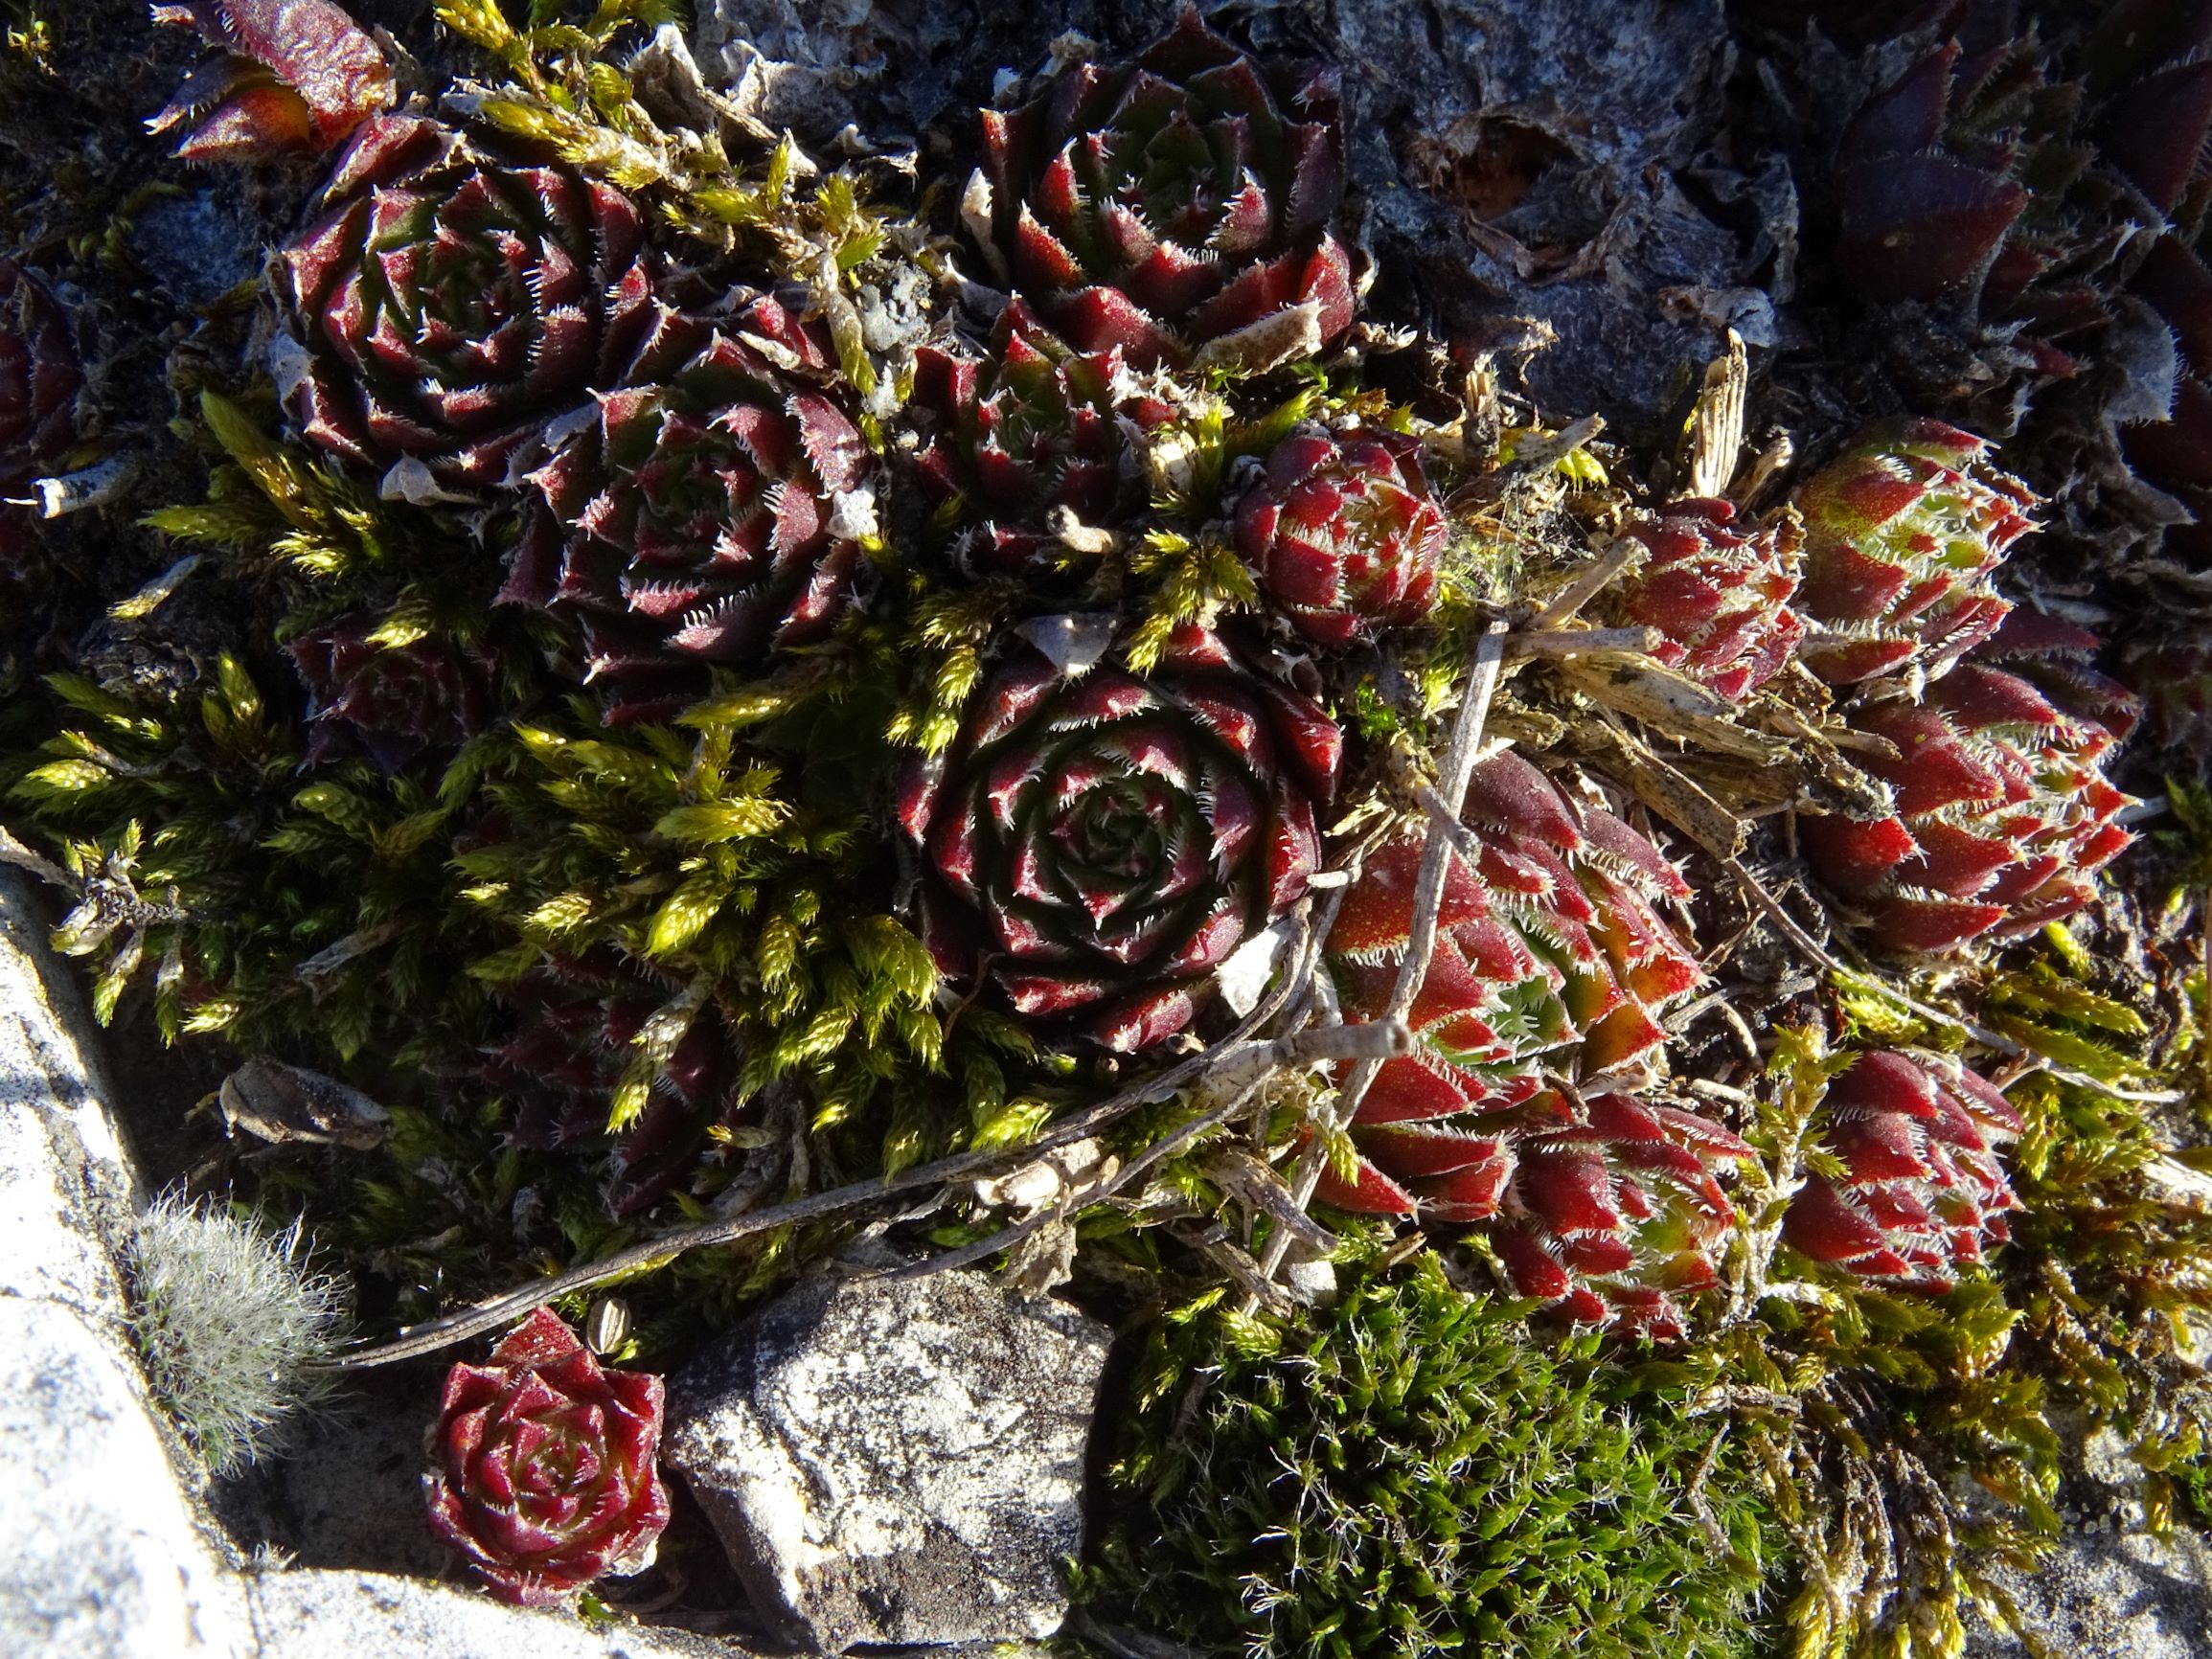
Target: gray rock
{"x":2111,"y":1589}
{"x":895,"y":1461}
{"x":348,"y":1491}
{"x":101,"y":1554}
{"x":200,"y":246}
{"x":337,"y":1615}
{"x":2110,"y":1594}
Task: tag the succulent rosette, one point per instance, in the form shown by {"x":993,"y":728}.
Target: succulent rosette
{"x":1551,"y":956}
{"x":1029,"y":430}
{"x":38,"y":376}
{"x":1719,"y":595}
{"x":545,"y":1474}
{"x":455,"y":297}
{"x":388,"y":701}
{"x":1901,"y":532}
{"x":1922,"y":1192}
{"x":1343,"y":534}
{"x":1167,"y":203}
{"x":709,"y":512}
{"x":2002,"y":814}
{"x":573,"y":1025}
{"x":1094,"y":847}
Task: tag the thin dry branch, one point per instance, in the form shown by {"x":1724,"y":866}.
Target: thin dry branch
{"x":504,"y":1310}
{"x":1427,"y":901}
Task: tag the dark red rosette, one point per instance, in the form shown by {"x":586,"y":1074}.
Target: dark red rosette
{"x":389,"y":702}
{"x":38,"y":376}
{"x":708,"y":512}
{"x":546,"y":1477}
{"x":1029,"y":429}
{"x":1922,"y":1192}
{"x":1343,"y":534}
{"x":2004,"y":815}
{"x":456,"y":297}
{"x":1094,"y":847}
{"x":1163,"y":204}
{"x":1720,"y":597}
{"x":572,"y":1027}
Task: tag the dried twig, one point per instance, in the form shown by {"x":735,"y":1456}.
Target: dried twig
{"x":1428,"y":901}
{"x":13,"y":851}
{"x":1380,"y":1039}
{"x":1564,"y":641}
{"x":1591,"y":580}
{"x":504,"y":1310}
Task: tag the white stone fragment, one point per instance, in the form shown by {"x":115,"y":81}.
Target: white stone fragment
{"x":896,"y":1459}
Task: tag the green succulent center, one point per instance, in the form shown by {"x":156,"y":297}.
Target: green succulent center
{"x":1117,"y":829}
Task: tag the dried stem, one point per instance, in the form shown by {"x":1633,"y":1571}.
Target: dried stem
{"x":503,"y":1309}
{"x":1593,"y":579}
{"x":1421,"y":946}
{"x":1566,"y":642}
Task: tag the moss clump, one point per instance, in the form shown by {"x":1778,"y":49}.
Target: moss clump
{"x":1410,"y":1473}
{"x":227,"y":1317}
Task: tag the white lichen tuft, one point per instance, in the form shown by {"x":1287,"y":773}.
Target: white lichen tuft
{"x":227,"y":1317}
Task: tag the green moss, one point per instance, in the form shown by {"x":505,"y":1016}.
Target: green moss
{"x":1411,"y":1473}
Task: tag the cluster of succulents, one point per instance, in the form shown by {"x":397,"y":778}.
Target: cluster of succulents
{"x":739,"y":685}
{"x":1551,"y":959}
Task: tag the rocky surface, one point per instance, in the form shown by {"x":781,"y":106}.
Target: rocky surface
{"x":101,"y":1553}
{"x":2112,"y":1589}
{"x":894,"y":1461}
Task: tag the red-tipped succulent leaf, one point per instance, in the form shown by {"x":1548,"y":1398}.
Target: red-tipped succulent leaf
{"x":545,"y":1475}
{"x":296,"y":75}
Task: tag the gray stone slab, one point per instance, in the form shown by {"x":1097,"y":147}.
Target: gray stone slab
{"x":894,"y":1461}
